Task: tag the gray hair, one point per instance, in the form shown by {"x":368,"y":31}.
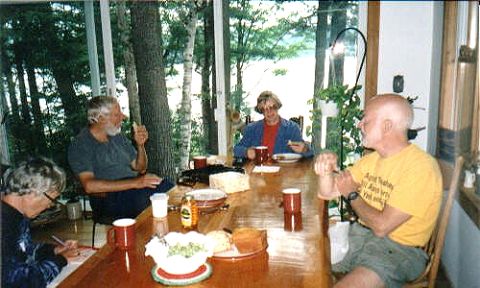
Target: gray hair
{"x":37,"y":175}
{"x":100,"y":106}
{"x":263,"y":97}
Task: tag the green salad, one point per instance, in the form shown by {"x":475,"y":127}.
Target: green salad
{"x":186,"y":251}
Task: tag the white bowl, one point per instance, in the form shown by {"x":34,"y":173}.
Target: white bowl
{"x":177,"y":264}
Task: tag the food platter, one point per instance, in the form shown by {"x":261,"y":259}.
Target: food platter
{"x":286,"y":157}
{"x":208,"y":198}
{"x":234,"y":255}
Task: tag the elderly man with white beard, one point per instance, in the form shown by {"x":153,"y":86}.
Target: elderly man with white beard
{"x":108,"y":165}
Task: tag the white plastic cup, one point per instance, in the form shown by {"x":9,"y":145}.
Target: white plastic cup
{"x":159,"y":205}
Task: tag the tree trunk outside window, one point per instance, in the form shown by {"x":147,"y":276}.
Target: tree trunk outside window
{"x":152,"y":91}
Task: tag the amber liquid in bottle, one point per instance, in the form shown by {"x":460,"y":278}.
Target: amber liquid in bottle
{"x":189,"y":213}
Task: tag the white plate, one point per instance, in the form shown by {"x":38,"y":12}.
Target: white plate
{"x":207,"y":194}
{"x":286,"y":157}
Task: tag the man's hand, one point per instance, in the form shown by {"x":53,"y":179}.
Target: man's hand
{"x":148,"y":181}
{"x":325,"y":164}
{"x":140,"y":134}
{"x":345,"y":183}
{"x":251,"y":153}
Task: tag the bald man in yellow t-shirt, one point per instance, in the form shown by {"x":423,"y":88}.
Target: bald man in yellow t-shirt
{"x":397,"y":192}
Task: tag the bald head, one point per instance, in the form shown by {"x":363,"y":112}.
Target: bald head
{"x":395,"y":108}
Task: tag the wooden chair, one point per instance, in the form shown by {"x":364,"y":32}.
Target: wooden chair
{"x":299,"y":121}
{"x":435,"y":246}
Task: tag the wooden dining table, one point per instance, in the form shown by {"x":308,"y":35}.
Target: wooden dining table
{"x":298,"y":253}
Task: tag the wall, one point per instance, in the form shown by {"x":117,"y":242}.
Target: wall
{"x":461,"y":253}
{"x":410,"y":45}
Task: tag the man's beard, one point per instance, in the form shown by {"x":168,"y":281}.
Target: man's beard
{"x":112,"y":130}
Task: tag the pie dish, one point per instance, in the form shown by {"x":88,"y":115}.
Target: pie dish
{"x":286,"y":157}
{"x":208,"y":198}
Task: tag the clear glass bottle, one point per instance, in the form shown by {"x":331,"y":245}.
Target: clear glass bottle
{"x":189,"y":212}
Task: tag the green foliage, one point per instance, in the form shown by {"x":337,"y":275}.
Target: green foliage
{"x":348,"y":102}
{"x":198,"y":141}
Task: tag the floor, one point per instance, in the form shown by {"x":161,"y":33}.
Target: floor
{"x":81,"y":230}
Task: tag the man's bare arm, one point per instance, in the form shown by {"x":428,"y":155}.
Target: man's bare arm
{"x":93,"y":185}
{"x":381,"y":222}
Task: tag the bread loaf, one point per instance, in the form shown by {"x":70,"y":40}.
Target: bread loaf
{"x":222,"y":240}
{"x":248,"y":240}
{"x":229,"y":182}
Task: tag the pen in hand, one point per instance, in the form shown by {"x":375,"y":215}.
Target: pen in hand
{"x":59,"y":241}
{"x":71,"y":251}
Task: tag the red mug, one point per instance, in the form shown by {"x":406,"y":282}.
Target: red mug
{"x":292,"y":221}
{"x":199,"y":162}
{"x":292,"y":200}
{"x":124,"y":230}
{"x":261,"y":155}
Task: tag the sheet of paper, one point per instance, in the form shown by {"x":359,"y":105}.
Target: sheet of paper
{"x":85,"y":253}
{"x":266,"y":169}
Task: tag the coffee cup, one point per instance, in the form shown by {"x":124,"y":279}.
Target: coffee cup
{"x":199,"y":162}
{"x":159,"y":205}
{"x":292,"y":200}
{"x":292,"y":221}
{"x":261,"y":155}
{"x":122,"y":234}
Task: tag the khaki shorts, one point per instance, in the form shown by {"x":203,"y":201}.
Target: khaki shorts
{"x":394,"y":263}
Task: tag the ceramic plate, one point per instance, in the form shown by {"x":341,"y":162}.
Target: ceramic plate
{"x":233,"y":254}
{"x":163,"y":277}
{"x":208,"y":198}
{"x":286,"y":157}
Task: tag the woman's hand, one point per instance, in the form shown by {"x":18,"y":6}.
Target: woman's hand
{"x":251,"y":153}
{"x":69,"y":250}
{"x":298,"y":147}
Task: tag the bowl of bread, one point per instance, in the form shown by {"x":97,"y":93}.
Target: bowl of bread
{"x":241,"y":243}
{"x":179,"y":253}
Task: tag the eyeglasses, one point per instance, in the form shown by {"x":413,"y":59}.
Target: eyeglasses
{"x":53,"y":200}
{"x":269,"y":108}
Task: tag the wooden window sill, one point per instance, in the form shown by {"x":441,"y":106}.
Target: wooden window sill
{"x":470,"y":203}
{"x":468,"y":200}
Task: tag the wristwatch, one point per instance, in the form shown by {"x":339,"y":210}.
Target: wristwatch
{"x":352,"y":196}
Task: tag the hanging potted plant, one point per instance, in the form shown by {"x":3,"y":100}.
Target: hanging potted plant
{"x":346,"y":103}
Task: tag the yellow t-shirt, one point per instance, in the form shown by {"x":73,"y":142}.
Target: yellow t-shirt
{"x":410,"y":181}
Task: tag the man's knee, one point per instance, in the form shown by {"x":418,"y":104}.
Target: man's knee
{"x":360,"y":277}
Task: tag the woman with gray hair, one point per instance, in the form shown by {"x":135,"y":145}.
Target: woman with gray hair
{"x":278,"y":134}
{"x":30,"y":189}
